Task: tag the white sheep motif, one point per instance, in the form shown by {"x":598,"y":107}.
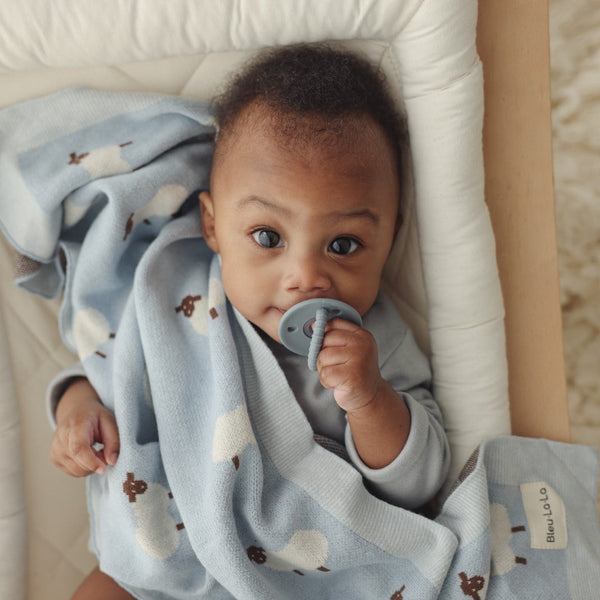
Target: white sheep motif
{"x":216,"y":293}
{"x":199,"y":308}
{"x":503,"y":558}
{"x":157,"y":532}
{"x":90,"y":330}
{"x":195,"y":308}
{"x":165,"y":203}
{"x":233,"y":434}
{"x":102,"y":162}
{"x":306,"y":550}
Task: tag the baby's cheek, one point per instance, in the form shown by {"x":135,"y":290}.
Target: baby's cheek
{"x":233,"y":281}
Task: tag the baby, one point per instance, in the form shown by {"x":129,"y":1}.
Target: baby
{"x":304,"y":203}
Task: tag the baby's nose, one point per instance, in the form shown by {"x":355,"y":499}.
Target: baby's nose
{"x":307,"y":274}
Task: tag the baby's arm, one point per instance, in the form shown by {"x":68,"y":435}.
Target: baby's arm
{"x":416,"y":444}
{"x":82,"y":421}
{"x":378,"y":417}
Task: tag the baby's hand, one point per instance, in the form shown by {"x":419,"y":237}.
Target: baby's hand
{"x":83,"y":421}
{"x":378,"y":417}
{"x":348,"y":365}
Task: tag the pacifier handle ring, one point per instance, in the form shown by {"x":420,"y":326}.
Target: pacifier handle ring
{"x":316,"y":341}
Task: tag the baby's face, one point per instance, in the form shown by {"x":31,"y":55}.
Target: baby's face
{"x":292,"y":225}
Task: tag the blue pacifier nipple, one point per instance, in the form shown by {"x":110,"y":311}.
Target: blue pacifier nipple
{"x":297,"y":333}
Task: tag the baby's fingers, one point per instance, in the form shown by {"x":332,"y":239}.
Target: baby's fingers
{"x":61,"y":457}
{"x":109,"y":436}
{"x":70,"y":467}
{"x":80,"y":449}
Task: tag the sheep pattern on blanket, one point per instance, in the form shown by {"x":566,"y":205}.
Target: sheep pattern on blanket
{"x":220,"y":490}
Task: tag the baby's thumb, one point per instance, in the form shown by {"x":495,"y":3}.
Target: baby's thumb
{"x":109,"y":433}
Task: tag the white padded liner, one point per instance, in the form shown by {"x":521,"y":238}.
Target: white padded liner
{"x":427,"y":48}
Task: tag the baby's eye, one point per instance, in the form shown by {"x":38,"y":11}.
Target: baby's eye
{"x":267,"y":238}
{"x":343,"y":245}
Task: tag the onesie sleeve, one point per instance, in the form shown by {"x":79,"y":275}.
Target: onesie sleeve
{"x":57,"y":386}
{"x":419,"y":471}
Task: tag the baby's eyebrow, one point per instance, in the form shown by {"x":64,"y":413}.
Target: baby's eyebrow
{"x":265,"y":202}
{"x":361,"y":213}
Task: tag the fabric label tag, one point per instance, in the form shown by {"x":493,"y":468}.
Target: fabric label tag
{"x":546,"y":516}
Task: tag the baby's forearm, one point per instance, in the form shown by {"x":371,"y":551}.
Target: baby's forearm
{"x":380,"y":428}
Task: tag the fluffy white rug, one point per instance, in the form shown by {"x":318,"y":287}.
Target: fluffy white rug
{"x":575,"y":60}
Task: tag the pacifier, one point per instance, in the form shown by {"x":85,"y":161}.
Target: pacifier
{"x":296,"y":330}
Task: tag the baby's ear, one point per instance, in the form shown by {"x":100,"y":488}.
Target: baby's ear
{"x":207,"y":213}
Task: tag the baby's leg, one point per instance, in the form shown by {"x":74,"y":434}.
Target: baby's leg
{"x":98,"y":586}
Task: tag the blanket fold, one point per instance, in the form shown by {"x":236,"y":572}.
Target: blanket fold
{"x":220,"y":490}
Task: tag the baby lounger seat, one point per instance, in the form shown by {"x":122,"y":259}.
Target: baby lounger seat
{"x":442,"y":273}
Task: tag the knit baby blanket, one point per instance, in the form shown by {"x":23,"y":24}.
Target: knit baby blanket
{"x":221,"y":490}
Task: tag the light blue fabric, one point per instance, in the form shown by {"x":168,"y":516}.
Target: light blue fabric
{"x":220,"y":490}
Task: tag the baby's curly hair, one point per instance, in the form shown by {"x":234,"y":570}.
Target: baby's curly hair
{"x":312,"y":88}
